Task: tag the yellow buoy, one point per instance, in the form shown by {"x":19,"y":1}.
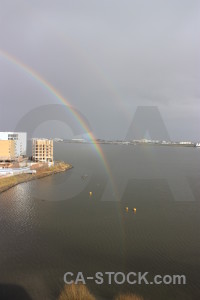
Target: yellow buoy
{"x":126,"y":209}
{"x":90,"y":193}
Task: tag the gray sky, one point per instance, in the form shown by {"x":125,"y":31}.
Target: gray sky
{"x":106,"y":58}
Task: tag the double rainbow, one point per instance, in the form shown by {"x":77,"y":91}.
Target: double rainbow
{"x":53,"y":91}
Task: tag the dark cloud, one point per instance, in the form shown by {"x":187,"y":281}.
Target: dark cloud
{"x":106,"y":58}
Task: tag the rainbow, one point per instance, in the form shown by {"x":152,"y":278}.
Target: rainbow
{"x":51,"y":89}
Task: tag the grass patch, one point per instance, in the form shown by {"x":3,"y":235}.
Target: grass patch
{"x":10,"y":181}
{"x":76,"y":292}
{"x":81,"y":292}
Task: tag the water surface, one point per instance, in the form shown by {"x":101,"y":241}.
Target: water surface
{"x":52,"y":225}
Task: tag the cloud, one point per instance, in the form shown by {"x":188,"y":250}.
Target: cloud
{"x":104,"y":56}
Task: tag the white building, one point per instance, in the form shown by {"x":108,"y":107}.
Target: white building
{"x":185,"y":143}
{"x":20,"y":139}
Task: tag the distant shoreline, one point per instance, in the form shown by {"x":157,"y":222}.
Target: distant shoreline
{"x":173,"y":144}
{"x":11,"y":181}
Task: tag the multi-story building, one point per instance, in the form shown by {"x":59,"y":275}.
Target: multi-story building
{"x":20,"y":139}
{"x":42,"y":150}
{"x":7,"y":150}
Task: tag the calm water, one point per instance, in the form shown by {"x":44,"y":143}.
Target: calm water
{"x":51,"y":226}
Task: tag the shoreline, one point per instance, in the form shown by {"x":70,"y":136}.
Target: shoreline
{"x":11,"y":181}
{"x":192,"y":145}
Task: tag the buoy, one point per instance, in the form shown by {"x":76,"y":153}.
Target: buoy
{"x":134,"y":209}
{"x":90,"y":193}
{"x":126,"y":209}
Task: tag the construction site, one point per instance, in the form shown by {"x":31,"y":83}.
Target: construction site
{"x":13,"y":154}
